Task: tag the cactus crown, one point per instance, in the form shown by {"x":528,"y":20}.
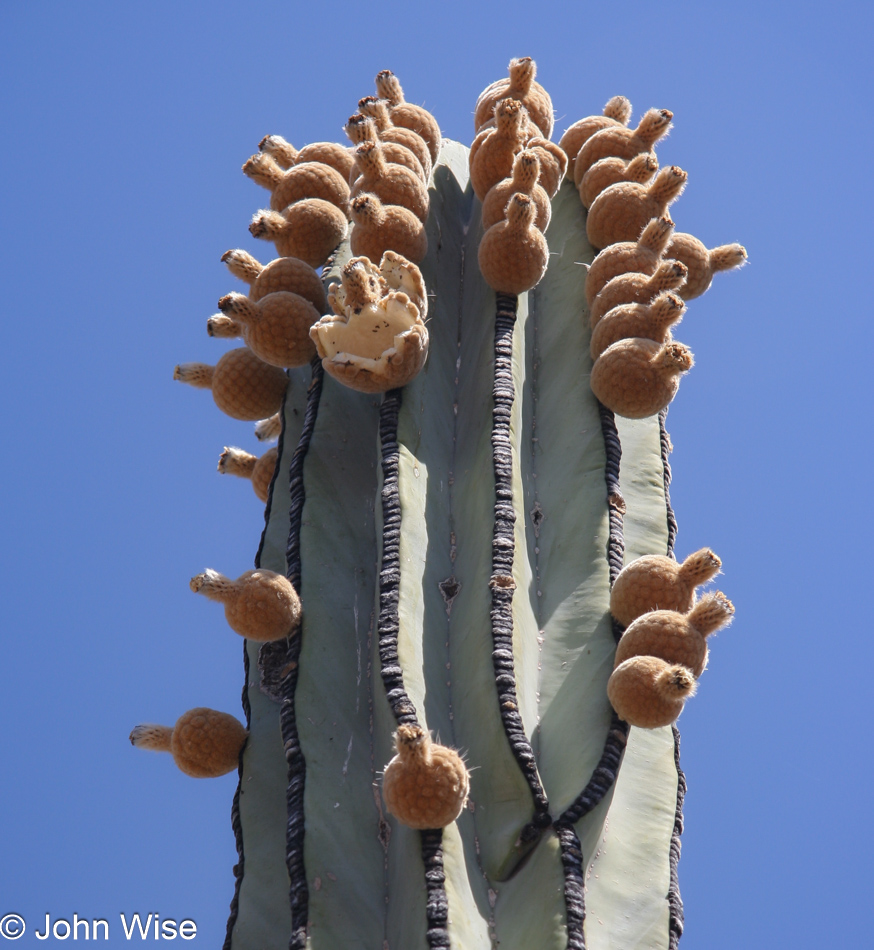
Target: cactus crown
{"x":389,"y":88}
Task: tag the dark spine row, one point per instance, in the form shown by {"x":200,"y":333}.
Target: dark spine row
{"x":503,"y":550}
{"x":675,"y":901}
{"x":607,"y":769}
{"x":298,"y":891}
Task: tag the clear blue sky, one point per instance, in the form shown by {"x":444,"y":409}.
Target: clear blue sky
{"x":124,"y":128}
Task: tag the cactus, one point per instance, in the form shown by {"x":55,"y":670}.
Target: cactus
{"x":454,"y":544}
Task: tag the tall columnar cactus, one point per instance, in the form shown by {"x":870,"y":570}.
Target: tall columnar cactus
{"x":453,"y":504}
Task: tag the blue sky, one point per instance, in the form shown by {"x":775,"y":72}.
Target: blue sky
{"x":124,"y":130}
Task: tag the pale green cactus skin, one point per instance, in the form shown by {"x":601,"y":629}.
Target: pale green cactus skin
{"x":366,"y":885}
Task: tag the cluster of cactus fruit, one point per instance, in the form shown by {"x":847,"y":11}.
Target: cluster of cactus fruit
{"x":634,"y":636}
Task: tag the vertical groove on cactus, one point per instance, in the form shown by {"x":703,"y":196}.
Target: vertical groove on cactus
{"x":390,"y":570}
{"x":503,"y":549}
{"x":435,"y":879}
{"x":665,"y":443}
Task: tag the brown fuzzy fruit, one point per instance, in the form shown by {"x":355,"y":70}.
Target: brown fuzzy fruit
{"x":553,"y":164}
{"x":620,"y":142}
{"x":642,"y":256}
{"x":617,"y":111}
{"x":637,"y":378}
{"x":655,"y":582}
{"x":243,"y":386}
{"x":392,"y":184}
{"x":675,"y":637}
{"x":308,"y":229}
{"x":526,"y":171}
{"x":276,"y":328}
{"x":283,"y":273}
{"x":328,"y":153}
{"x":493,"y":151}
{"x":234,"y":461}
{"x":425,"y":785}
{"x":652,"y":321}
{"x":259,"y":605}
{"x":520,"y":85}
{"x":613,"y":171}
{"x":378,"y":228}
{"x":513,"y":254}
{"x":407,"y":116}
{"x":361,"y":129}
{"x":636,"y":288}
{"x":621,"y":212}
{"x":309,"y":180}
{"x":647,"y":692}
{"x":204,"y":743}
{"x":379,"y":111}
{"x":703,"y":264}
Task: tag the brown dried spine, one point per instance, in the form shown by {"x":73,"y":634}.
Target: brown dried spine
{"x":621,"y":212}
{"x":642,"y":256}
{"x":654,"y":582}
{"x":637,"y":378}
{"x":675,"y":637}
{"x":243,"y":386}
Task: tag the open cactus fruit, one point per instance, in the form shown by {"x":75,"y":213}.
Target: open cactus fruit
{"x":450,"y":741}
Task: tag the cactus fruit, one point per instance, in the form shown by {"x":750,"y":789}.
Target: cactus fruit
{"x":622,"y":211}
{"x":675,"y":637}
{"x":234,"y":461}
{"x":612,"y":171}
{"x":283,"y":273}
{"x":452,"y":544}
{"x":392,"y":184}
{"x":204,"y":743}
{"x":617,"y":111}
{"x":389,"y":133}
{"x":655,"y":582}
{"x":260,"y":605}
{"x":703,"y":264}
{"x":636,"y":378}
{"x":243,"y":386}
{"x":425,"y":785}
{"x":648,"y":692}
{"x":328,"y":153}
